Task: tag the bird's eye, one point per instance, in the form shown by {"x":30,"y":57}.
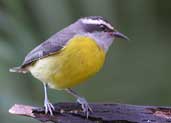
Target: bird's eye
{"x":102,"y":27}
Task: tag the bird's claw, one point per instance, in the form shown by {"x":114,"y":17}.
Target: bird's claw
{"x":49,"y":107}
{"x":85,"y":106}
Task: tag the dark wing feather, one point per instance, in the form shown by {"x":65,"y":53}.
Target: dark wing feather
{"x":40,"y":52}
{"x":50,"y":46}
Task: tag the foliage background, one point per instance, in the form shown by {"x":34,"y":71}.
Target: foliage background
{"x":135,"y":72}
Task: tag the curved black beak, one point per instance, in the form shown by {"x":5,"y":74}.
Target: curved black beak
{"x":120,"y":35}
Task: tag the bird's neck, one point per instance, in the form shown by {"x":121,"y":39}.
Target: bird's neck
{"x":104,"y":41}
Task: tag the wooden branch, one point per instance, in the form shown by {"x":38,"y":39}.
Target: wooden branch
{"x":115,"y":113}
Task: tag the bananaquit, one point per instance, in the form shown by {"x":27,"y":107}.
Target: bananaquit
{"x":71,"y":56}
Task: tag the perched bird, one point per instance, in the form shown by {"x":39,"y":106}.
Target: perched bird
{"x":71,"y":56}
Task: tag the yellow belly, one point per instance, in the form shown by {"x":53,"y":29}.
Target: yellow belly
{"x":80,"y":59}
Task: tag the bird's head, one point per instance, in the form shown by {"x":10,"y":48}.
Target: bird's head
{"x":98,"y":28}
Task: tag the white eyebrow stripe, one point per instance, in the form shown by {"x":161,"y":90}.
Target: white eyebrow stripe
{"x":91,"y":21}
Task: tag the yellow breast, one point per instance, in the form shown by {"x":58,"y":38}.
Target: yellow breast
{"x":80,"y":59}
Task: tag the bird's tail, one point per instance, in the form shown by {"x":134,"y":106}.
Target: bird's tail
{"x":18,"y":70}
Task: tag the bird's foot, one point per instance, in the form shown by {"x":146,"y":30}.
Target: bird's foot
{"x":85,"y":106}
{"x":49,"y":107}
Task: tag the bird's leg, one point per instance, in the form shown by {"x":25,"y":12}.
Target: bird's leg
{"x":48,"y":106}
{"x":84,"y":104}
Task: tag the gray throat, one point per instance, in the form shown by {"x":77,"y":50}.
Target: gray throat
{"x":103,"y":40}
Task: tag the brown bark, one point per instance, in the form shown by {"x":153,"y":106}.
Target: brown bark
{"x":115,"y":113}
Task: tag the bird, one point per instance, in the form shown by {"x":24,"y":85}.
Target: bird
{"x":71,"y":56}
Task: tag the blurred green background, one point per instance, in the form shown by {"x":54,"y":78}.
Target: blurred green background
{"x":135,"y":72}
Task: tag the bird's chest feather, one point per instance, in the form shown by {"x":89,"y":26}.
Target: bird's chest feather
{"x":79,"y":59}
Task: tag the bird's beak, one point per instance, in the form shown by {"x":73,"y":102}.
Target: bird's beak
{"x":120,"y":35}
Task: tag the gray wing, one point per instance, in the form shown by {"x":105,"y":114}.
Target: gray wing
{"x":50,"y":46}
